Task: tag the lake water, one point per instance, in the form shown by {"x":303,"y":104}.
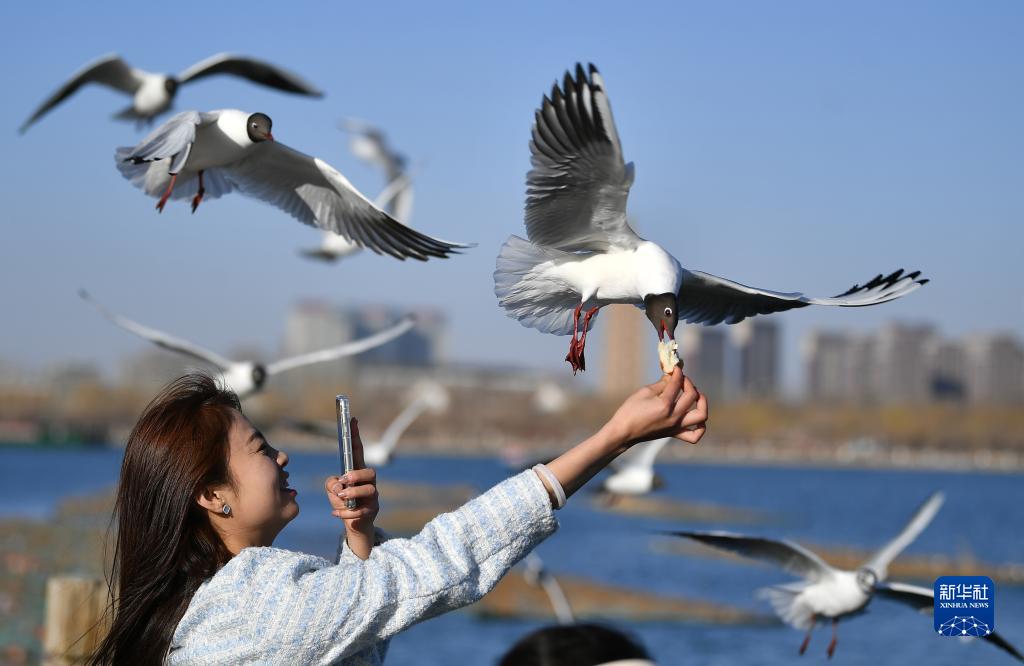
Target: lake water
{"x":983,"y":516}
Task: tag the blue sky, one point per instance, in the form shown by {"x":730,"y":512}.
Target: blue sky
{"x":790,"y":145}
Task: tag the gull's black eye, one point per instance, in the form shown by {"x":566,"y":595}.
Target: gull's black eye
{"x":668,"y":312}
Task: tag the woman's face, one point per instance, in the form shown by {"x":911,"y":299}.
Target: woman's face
{"x":261,"y":501}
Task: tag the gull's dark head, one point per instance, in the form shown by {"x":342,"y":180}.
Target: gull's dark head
{"x":259,"y":375}
{"x":661,"y":311}
{"x":258,"y":126}
{"x":171,"y":86}
{"x":867,"y":579}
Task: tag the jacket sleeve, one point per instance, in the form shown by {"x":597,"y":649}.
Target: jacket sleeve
{"x":313,"y":611}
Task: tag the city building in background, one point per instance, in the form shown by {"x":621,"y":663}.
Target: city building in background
{"x":912,"y":363}
{"x":627,"y":338}
{"x":737,"y":362}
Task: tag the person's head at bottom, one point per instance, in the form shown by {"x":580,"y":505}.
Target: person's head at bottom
{"x":577,"y":645}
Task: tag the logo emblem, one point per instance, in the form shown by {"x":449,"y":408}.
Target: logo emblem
{"x":965,"y":606}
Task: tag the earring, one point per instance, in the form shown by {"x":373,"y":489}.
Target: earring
{"x":226,"y":510}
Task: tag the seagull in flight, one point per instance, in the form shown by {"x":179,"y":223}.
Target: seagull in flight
{"x":922,"y":599}
{"x":208,"y":155}
{"x":246,"y":378}
{"x":154,"y":93}
{"x":825,"y":592}
{"x":634,"y":470}
{"x":581,"y":253}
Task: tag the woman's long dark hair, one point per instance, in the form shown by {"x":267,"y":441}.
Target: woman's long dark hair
{"x":166,"y":546}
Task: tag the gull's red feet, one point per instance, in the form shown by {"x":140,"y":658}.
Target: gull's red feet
{"x":578,"y":344}
{"x":167,"y":195}
{"x":198,"y":198}
{"x":574,"y":352}
{"x":832,"y":645}
{"x":807,"y":638}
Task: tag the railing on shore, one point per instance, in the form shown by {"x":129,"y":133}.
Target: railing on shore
{"x":76,"y":621}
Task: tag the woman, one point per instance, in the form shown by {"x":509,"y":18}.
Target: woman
{"x":202,"y":496}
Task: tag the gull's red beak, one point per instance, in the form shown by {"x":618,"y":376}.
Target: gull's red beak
{"x":270,"y":136}
{"x":662,"y":330}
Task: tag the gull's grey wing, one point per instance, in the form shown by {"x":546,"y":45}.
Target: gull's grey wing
{"x":159,"y":338}
{"x":110,"y":71}
{"x":315,"y":193}
{"x":922,"y":599}
{"x":576,"y":191}
{"x":792,"y":557}
{"x":348,"y":349}
{"x":879,"y":562}
{"x":257,"y":71}
{"x":173,"y":140}
{"x":708,"y":299}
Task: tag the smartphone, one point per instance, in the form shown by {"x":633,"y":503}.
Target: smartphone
{"x":345,"y":440}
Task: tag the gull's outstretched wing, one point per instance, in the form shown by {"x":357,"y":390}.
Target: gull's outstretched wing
{"x":922,"y":599}
{"x":159,"y":338}
{"x":257,"y":71}
{"x":792,"y":557}
{"x":173,"y":140}
{"x":576,"y":191}
{"x":708,"y":299}
{"x":109,"y":71}
{"x":347,"y":349}
{"x":879,"y":562}
{"x":315,"y":193}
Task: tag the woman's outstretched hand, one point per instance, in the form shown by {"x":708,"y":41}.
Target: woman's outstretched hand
{"x":670,"y":407}
{"x":361,"y":485}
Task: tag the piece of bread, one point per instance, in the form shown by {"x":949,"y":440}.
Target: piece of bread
{"x":668,"y":355}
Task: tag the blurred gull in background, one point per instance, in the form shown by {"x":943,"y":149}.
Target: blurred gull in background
{"x":153,"y":93}
{"x":246,"y":378}
{"x":537,"y":574}
{"x":634,"y":470}
{"x":369,"y":143}
{"x":582,"y":253}
{"x":825,"y":592}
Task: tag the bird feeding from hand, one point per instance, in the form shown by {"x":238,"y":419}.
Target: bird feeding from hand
{"x":208,"y":155}
{"x":581,"y":254}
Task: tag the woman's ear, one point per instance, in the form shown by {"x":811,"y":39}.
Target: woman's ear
{"x":212,"y":500}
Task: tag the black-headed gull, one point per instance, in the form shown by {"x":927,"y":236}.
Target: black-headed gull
{"x":825,"y":592}
{"x":246,"y":378}
{"x":207,"y":155}
{"x":633,"y":471}
{"x":153,"y":93}
{"x":922,"y":599}
{"x":582,"y":254}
